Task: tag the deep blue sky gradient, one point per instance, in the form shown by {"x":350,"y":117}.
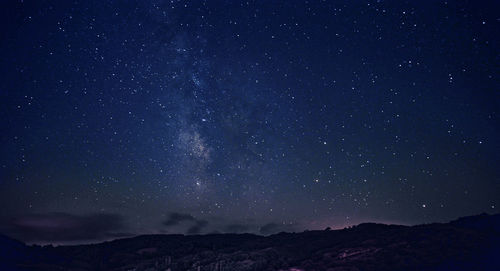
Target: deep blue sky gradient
{"x":291,"y":114}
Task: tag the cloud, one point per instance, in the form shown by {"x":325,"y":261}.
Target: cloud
{"x":236,"y":228}
{"x":64,"y":227}
{"x":196,"y":225}
{"x":176,"y":218}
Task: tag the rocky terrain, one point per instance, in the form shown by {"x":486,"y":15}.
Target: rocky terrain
{"x":470,"y":243}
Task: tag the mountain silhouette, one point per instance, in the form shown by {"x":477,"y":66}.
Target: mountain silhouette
{"x":469,"y":243}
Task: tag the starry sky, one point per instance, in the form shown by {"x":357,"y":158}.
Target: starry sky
{"x":132,"y":117}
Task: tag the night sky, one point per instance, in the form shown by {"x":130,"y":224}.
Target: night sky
{"x":120,"y":118}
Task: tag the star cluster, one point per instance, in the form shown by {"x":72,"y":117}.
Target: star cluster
{"x":258,"y":116}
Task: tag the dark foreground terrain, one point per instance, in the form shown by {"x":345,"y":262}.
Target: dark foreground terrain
{"x":470,"y":243}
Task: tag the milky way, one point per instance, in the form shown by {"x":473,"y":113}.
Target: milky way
{"x":227,"y":116}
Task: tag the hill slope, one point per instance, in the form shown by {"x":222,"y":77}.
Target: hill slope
{"x":470,"y":243}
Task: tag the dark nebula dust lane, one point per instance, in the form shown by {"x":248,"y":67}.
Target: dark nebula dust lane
{"x":137,"y":117}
